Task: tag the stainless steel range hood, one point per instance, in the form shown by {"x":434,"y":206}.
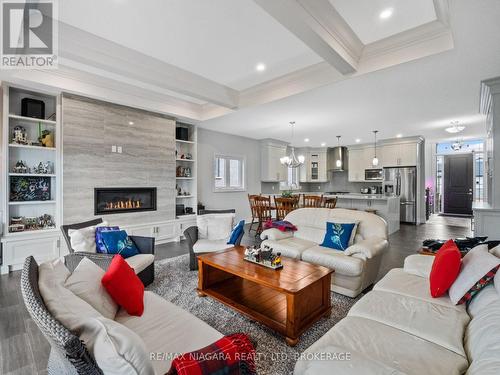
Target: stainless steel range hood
{"x":334,"y":154}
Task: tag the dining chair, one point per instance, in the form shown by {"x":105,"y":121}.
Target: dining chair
{"x":284,"y":206}
{"x":330,"y":202}
{"x":312,"y":200}
{"x":263,"y":210}
{"x":253,"y":209}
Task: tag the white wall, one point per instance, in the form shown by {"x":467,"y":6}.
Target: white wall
{"x":210,"y":143}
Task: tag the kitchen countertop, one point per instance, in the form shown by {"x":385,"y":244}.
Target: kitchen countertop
{"x":359,"y":196}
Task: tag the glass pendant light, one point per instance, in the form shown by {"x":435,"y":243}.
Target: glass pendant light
{"x":375,"y":159}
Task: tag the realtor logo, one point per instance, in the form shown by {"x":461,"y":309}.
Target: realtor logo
{"x":28,"y":34}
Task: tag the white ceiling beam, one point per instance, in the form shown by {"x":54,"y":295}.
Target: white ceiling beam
{"x":78,"y":48}
{"x":321,"y":28}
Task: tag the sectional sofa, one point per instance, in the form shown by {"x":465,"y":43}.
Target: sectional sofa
{"x":357,"y":267}
{"x":398,"y":328}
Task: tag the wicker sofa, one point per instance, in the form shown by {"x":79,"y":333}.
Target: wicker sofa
{"x":175,"y":330}
{"x":142,"y":263}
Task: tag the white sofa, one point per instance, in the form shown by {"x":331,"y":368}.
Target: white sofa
{"x":398,"y":328}
{"x":355,"y":268}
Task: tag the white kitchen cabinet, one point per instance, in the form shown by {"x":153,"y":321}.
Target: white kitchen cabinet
{"x":314,"y":168}
{"x":394,"y":155}
{"x":358,"y":162}
{"x":271,"y":168}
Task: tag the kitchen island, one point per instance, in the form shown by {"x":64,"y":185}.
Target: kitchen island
{"x":386,"y":207}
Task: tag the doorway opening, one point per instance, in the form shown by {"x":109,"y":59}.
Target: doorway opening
{"x":459,"y":177}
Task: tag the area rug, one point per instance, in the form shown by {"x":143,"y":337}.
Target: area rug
{"x":175,"y":283}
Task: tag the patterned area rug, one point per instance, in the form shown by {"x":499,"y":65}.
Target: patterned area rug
{"x":175,"y":283}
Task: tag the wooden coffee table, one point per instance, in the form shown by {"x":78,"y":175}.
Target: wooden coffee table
{"x":288,"y":300}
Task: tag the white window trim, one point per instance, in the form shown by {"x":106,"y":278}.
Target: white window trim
{"x":243,"y":172}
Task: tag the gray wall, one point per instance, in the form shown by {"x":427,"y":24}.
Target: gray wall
{"x":90,"y":128}
{"x":211,"y":143}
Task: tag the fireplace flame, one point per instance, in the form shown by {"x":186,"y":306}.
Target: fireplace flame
{"x":123,"y":205}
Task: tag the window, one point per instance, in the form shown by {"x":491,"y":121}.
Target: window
{"x":292,"y":181}
{"x":229,"y":173}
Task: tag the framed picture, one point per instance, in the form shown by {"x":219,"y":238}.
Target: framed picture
{"x":25,"y":189}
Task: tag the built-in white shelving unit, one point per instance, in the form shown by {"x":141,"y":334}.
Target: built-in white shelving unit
{"x":186,"y":170}
{"x":43,"y":242}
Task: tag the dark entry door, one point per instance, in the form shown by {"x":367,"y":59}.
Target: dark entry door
{"x":458,"y":179}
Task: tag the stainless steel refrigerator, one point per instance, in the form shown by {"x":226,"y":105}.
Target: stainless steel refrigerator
{"x":403,"y":183}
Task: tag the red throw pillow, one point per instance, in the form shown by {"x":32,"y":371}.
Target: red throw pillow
{"x":445,"y":268}
{"x":124,"y":286}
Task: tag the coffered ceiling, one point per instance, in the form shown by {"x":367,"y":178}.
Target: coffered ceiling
{"x":363,"y":16}
{"x":197,"y":59}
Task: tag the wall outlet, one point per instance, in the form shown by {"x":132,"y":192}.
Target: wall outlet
{"x":272,"y":187}
{"x":319,"y":187}
{"x":113,"y":148}
{"x":119,"y":149}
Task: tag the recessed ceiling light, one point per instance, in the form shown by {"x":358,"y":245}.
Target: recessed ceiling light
{"x":260,"y":67}
{"x":386,"y":13}
{"x":131,"y":123}
{"x":306,"y":139}
{"x":323,"y":144}
{"x":455,"y":128}
{"x":358,"y":140}
{"x":399,"y":136}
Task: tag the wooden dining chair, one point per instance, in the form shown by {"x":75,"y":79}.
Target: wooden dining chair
{"x":253,"y":209}
{"x":312,"y":200}
{"x":284,"y":206}
{"x":330,"y":202}
{"x":263,"y":210}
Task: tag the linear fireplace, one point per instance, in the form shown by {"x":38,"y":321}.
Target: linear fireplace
{"x":122,"y":200}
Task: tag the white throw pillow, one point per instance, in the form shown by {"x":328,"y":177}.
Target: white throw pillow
{"x":215,"y":227}
{"x":85,"y":282}
{"x":475,"y":265}
{"x":118,"y":350}
{"x":83,"y":240}
{"x":72,"y":311}
{"x":220,"y":227}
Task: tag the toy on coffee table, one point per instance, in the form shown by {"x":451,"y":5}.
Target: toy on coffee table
{"x":264,"y":257}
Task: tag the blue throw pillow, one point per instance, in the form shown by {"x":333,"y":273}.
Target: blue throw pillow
{"x":99,"y":244}
{"x":337,"y":236}
{"x":236,"y":232}
{"x":118,"y":242}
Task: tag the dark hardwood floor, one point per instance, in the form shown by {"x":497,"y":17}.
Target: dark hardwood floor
{"x":24,"y":350}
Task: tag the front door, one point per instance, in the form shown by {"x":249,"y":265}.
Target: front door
{"x":458,"y":179}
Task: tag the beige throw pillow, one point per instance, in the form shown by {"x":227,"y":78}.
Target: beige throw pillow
{"x":72,"y":311}
{"x":85,"y":282}
{"x":118,"y":350}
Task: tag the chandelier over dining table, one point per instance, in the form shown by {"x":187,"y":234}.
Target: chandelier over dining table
{"x":292,"y":161}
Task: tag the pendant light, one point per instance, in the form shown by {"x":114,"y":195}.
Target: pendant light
{"x":292,"y":161}
{"x":338,"y":162}
{"x":375,"y":159}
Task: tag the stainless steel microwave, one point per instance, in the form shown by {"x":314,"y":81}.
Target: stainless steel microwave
{"x":373,"y":174}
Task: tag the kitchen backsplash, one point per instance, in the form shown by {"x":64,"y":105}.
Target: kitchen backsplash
{"x":338,"y":181}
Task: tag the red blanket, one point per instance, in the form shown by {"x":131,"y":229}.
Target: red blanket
{"x":231,"y":355}
{"x":281,"y":225}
